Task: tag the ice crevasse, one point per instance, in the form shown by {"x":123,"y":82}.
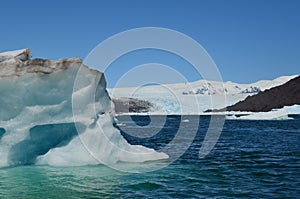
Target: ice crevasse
{"x":58,"y":112}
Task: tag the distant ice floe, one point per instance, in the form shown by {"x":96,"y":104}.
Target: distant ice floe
{"x":276,"y":114}
{"x":293,"y":110}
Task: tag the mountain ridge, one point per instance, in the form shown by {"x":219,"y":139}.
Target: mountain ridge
{"x":276,"y":97}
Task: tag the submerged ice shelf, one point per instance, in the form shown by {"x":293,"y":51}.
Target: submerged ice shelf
{"x":37,"y":115}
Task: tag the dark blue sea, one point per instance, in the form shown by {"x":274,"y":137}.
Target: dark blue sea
{"x":252,"y":159}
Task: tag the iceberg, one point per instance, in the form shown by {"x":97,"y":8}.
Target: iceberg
{"x":58,"y":112}
{"x":277,"y":114}
{"x":292,"y":110}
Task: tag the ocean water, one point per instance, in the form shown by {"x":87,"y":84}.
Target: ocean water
{"x":252,"y":159}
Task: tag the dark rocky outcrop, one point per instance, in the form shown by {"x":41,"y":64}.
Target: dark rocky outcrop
{"x":287,"y":94}
{"x":132,"y":105}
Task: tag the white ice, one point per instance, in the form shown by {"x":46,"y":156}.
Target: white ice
{"x":280,"y":114}
{"x":38,"y":98}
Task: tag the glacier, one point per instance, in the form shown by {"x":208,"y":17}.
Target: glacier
{"x":58,"y":112}
{"x":195,"y":97}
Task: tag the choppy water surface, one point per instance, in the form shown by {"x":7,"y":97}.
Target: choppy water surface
{"x":252,"y":159}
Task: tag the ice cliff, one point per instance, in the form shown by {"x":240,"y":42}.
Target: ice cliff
{"x":39,"y":123}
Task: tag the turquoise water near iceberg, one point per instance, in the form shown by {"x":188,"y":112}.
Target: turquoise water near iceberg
{"x":252,"y":159}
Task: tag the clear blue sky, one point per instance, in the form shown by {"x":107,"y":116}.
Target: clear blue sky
{"x":248,"y":39}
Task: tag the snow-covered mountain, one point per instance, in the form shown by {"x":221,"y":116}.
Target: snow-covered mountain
{"x":195,"y":97}
{"x":203,"y":87}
